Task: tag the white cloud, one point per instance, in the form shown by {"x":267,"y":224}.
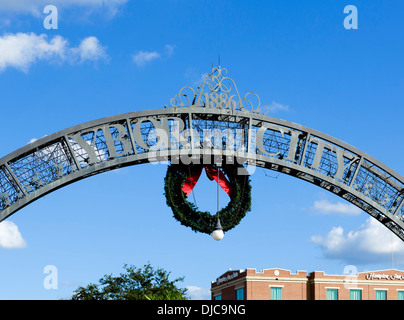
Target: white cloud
{"x":90,"y":49}
{"x":372,"y":242}
{"x":10,"y":236}
{"x":194,"y":76}
{"x":276,"y":106}
{"x":197,"y":293}
{"x":143,"y":57}
{"x":21,"y":50}
{"x":169,"y":48}
{"x":327,"y":207}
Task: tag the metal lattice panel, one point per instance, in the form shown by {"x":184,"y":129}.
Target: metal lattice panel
{"x":42,"y":166}
{"x":9,"y":192}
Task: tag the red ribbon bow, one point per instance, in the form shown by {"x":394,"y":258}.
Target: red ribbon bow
{"x":212,"y":173}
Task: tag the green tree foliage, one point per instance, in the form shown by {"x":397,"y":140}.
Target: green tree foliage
{"x":144,"y":283}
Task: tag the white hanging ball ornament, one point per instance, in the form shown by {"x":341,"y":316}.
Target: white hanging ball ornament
{"x":218,"y":233}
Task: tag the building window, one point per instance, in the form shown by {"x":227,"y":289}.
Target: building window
{"x":356,"y":294}
{"x":240,"y":294}
{"x":276,"y":293}
{"x":219,"y":297}
{"x":400,"y":295}
{"x":332,"y":294}
{"x":381,"y":294}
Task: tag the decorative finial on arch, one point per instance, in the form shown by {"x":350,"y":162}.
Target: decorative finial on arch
{"x":218,"y":91}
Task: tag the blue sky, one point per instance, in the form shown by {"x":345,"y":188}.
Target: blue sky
{"x":110,"y":57}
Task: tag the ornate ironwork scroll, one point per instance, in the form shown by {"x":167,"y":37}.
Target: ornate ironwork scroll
{"x":218,"y":91}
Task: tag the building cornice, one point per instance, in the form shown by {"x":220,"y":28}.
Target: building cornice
{"x":352,"y":282}
{"x":257,"y":279}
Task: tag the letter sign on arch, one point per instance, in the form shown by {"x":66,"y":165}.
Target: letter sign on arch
{"x":213,"y":122}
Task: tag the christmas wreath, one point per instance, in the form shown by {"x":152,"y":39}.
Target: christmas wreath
{"x":179,"y":182}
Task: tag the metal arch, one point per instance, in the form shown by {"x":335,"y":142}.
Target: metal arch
{"x":198,"y":134}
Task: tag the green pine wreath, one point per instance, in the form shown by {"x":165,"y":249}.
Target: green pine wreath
{"x":188,"y":214}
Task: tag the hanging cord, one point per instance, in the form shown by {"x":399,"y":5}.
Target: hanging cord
{"x":217,"y":191}
{"x":193,"y":195}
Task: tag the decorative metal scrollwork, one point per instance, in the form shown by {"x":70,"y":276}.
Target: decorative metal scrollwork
{"x":218,"y":91}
